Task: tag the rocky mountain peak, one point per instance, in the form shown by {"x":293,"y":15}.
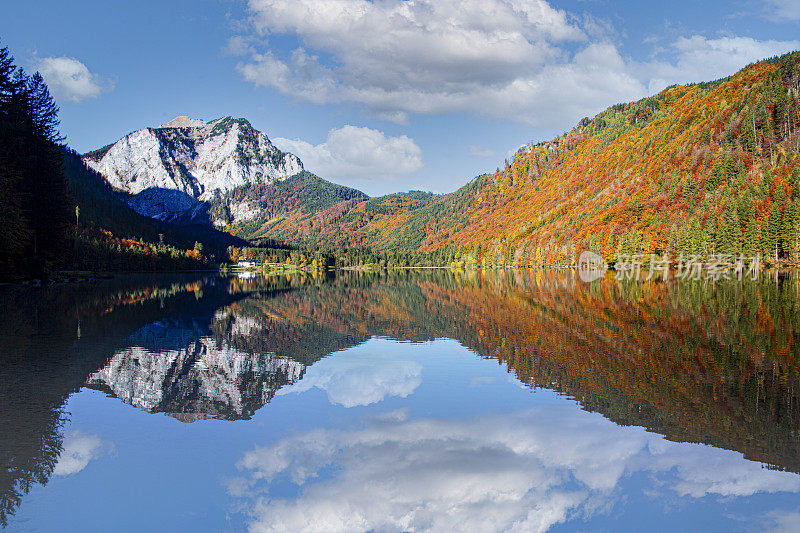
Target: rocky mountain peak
{"x":184,"y":122}
{"x":167,"y":171}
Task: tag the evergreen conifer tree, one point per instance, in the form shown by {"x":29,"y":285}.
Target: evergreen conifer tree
{"x":36,"y":209}
{"x":750,"y":245}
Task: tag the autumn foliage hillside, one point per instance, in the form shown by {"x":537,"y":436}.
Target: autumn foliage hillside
{"x":308,"y":210}
{"x":704,"y":168}
{"x":708,"y":168}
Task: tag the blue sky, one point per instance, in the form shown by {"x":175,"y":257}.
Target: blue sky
{"x":387,"y":95}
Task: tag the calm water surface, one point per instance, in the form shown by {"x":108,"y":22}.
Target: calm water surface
{"x":417,"y":401}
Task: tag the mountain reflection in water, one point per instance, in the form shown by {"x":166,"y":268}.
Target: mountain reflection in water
{"x":690,"y":361}
{"x":198,"y":378}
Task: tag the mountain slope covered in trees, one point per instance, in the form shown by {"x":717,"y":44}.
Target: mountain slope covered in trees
{"x":308,"y":210}
{"x":697,"y":169}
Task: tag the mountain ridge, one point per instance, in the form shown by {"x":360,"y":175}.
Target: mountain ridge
{"x":701,"y":168}
{"x":192,"y":158}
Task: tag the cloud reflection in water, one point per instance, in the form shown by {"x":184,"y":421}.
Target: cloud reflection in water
{"x":522,"y":471}
{"x":356,"y":378}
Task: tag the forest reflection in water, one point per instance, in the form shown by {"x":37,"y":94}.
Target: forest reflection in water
{"x":695,"y":362}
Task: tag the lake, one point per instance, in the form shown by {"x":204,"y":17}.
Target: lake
{"x":515,"y":400}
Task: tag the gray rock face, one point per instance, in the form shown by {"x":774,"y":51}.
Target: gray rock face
{"x":178,"y":367}
{"x":200,"y":380}
{"x":171,"y":170}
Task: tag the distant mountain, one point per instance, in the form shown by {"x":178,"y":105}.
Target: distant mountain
{"x":170,"y":172}
{"x":386,"y":222}
{"x":218,"y":174}
{"x":280,"y":211}
{"x":224,"y":174}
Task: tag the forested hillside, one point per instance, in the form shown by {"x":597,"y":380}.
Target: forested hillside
{"x":706,"y":168}
{"x":307,"y":210}
{"x":273,"y":211}
{"x":698,"y":169}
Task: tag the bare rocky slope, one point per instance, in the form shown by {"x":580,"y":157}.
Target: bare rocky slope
{"x":172,"y":172}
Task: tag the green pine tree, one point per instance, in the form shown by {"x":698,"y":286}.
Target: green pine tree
{"x":789,"y":229}
{"x":771,"y":232}
{"x":750,"y":242}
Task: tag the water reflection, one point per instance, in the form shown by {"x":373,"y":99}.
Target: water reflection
{"x":521,"y":471}
{"x":353,"y":379}
{"x":51,"y":340}
{"x":693,"y":362}
{"x":78,"y":450}
{"x":696,"y":362}
{"x":197,"y":378}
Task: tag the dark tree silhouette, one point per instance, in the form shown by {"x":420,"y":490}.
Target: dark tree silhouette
{"x":35,"y":204}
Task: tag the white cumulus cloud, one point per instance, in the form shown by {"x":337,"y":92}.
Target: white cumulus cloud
{"x":522,"y":60}
{"x":702,"y":59}
{"x":69,"y":79}
{"x":353,"y":153}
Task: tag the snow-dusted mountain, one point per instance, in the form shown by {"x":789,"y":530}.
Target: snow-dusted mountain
{"x":172,"y":170}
